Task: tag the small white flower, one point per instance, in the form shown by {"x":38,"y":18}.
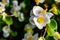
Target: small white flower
{"x":57,"y":0}
{"x":6,"y":35}
{"x":22,"y":5}
{"x":15,"y":7}
{"x":2,"y":7}
{"x":41,"y":38}
{"x":15,"y":2}
{"x":5,"y":2}
{"x":40,"y":17}
{"x":6,"y":29}
{"x":30,"y":37}
{"x":21,"y":17}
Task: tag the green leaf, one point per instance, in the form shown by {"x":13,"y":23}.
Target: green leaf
{"x":14,"y":33}
{"x":8,"y":20}
{"x":58,"y":11}
{"x":49,"y":38}
{"x":50,"y":31}
{"x":53,"y":24}
{"x":1,"y":21}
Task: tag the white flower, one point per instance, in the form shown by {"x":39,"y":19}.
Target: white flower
{"x":15,"y":7}
{"x":5,"y":2}
{"x":40,"y":17}
{"x":6,"y":29}
{"x":41,"y":38}
{"x":21,"y":17}
{"x":15,"y":2}
{"x":5,"y":35}
{"x":22,"y":5}
{"x":57,"y":0}
{"x":30,"y":37}
{"x":2,"y":7}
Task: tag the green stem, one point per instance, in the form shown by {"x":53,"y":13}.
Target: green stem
{"x":45,"y":32}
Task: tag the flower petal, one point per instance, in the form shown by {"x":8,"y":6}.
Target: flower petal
{"x":31,"y":20}
{"x":41,"y":1}
{"x":35,"y":37}
{"x":27,"y":35}
{"x":49,"y":14}
{"x":37,"y":24}
{"x":5,"y":35}
{"x":31,"y":13}
{"x":36,"y":10}
{"x":21,"y":17}
{"x":6,"y":31}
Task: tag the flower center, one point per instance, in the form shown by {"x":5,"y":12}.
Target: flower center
{"x":30,"y":38}
{"x":4,"y":1}
{"x":0,"y":8}
{"x":37,"y":2}
{"x":43,"y":11}
{"x":6,"y":28}
{"x":41,"y":20}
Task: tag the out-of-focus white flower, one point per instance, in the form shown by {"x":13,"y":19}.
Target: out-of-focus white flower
{"x":2,"y":7}
{"x":6,"y":35}
{"x":30,"y":37}
{"x":56,"y":35}
{"x":57,"y":0}
{"x":22,"y":5}
{"x":15,"y":2}
{"x":5,"y":2}
{"x":15,"y":6}
{"x":41,"y":17}
{"x":6,"y":31}
{"x":41,"y":38}
{"x":21,"y":17}
{"x":28,"y":28}
{"x":39,"y":1}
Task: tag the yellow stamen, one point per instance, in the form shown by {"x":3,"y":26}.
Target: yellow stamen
{"x":37,"y":2}
{"x":4,"y":1}
{"x":46,"y":6}
{"x":30,"y":38}
{"x":41,"y":20}
{"x":0,"y":8}
{"x":43,"y":11}
{"x":6,"y":28}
